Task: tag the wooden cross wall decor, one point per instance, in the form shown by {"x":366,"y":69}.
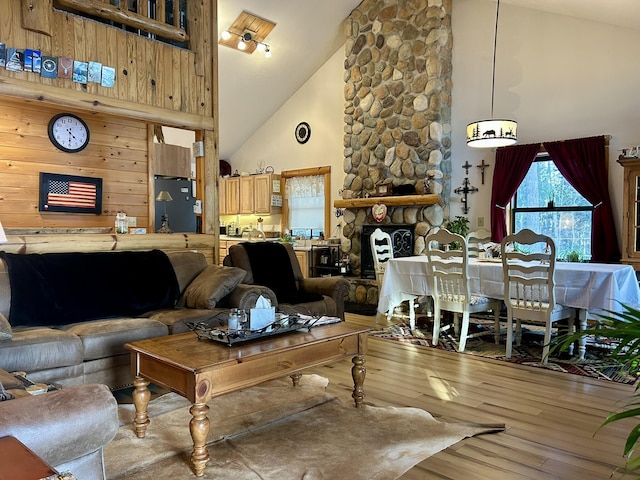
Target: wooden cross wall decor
{"x":466,"y":167}
{"x":482,"y":166}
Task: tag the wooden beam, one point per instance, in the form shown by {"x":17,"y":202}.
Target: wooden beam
{"x":36,"y":16}
{"x":35,"y":93}
{"x":394,"y":201}
{"x":132,"y":19}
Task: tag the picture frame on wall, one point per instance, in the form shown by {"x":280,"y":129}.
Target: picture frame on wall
{"x":70,"y":194}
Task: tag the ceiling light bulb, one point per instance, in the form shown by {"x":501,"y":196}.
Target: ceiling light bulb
{"x":267,"y":52}
{"x":242,"y":45}
{"x":226,"y":35}
{"x":261,"y":47}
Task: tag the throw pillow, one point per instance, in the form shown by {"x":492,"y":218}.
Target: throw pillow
{"x":211,"y":285}
{"x":5,"y":329}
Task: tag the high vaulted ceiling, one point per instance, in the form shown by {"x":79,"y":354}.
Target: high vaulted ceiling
{"x":307,"y":33}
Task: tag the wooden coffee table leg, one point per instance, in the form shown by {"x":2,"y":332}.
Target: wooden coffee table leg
{"x":199,"y":427}
{"x":295,"y":378}
{"x":358,"y":372}
{"x":141,"y":395}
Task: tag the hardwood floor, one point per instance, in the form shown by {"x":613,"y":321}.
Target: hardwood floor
{"x":551,"y":418}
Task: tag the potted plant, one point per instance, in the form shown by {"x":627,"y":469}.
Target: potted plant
{"x":459,"y":225}
{"x":624,"y":327}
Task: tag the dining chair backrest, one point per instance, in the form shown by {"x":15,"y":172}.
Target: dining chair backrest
{"x":475,"y":240}
{"x":382,"y":252}
{"x":528,"y":264}
{"x":448,"y":270}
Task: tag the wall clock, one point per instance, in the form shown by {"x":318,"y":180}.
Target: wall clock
{"x":303,"y":132}
{"x":68,"y":132}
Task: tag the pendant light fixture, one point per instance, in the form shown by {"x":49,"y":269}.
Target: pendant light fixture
{"x":493,"y":132}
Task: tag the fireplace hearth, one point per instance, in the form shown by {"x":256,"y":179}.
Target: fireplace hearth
{"x":402,"y":239}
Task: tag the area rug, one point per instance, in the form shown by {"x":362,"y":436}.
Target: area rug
{"x":278,"y":432}
{"x":481,"y":343}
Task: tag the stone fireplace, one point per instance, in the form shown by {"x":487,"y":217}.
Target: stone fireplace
{"x":397,"y":121}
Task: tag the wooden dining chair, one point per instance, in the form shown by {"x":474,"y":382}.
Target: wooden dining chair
{"x":449,"y":283}
{"x":475,"y":240}
{"x":529,"y":279}
{"x":382,"y":252}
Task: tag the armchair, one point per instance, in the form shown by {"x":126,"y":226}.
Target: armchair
{"x":274,"y":265}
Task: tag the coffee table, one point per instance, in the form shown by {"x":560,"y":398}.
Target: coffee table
{"x":200,"y":370}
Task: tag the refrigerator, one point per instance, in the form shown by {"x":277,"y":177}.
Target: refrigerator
{"x":182,"y":218}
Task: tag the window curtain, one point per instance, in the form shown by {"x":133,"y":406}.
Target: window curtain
{"x":512,"y":165}
{"x":305,"y":197}
{"x":583,"y":163}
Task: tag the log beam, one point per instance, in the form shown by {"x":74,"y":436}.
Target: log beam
{"x":132,"y":19}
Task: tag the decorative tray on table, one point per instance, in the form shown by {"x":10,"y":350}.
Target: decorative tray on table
{"x":283,"y":323}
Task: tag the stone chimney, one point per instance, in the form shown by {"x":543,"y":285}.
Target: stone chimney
{"x":397,"y":113}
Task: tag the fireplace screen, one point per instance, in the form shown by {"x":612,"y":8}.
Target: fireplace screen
{"x":401,"y":239}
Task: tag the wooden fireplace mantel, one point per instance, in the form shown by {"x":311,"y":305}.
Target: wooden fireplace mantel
{"x":391,"y":201}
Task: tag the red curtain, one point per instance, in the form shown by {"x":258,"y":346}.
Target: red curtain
{"x":583,"y":163}
{"x":512,"y":165}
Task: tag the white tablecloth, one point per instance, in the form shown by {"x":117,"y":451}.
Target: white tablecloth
{"x":587,"y":286}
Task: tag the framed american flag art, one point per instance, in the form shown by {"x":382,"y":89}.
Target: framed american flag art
{"x":70,"y":194}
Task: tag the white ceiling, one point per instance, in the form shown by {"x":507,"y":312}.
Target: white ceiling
{"x":307,"y":33}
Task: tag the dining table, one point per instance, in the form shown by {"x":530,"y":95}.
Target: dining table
{"x":591,"y":288}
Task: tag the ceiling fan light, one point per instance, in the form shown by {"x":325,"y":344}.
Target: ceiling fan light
{"x":242,"y":45}
{"x":261,"y":47}
{"x":226,"y":35}
{"x":267,"y":52}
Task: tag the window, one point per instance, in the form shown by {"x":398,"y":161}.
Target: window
{"x":306,"y":201}
{"x":545,"y":202}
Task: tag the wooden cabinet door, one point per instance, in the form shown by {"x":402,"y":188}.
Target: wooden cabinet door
{"x":303,"y":259}
{"x":222,"y":195}
{"x":247,"y":194}
{"x":262,"y":189}
{"x":631,"y":212}
{"x":233,"y":195}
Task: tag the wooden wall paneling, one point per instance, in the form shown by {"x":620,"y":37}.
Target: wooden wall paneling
{"x":122,"y":68}
{"x":188,"y":88}
{"x":176,"y":81}
{"x":141,"y":72}
{"x":36,"y":16}
{"x":196,"y":12}
{"x":111,"y":59}
{"x":167,"y":77}
{"x":130,"y":59}
{"x":149,"y":69}
{"x":78,"y":50}
{"x":159,"y":76}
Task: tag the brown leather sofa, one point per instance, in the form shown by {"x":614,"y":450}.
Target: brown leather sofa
{"x":311,"y":296}
{"x":92,"y":350}
{"x":67,"y":428}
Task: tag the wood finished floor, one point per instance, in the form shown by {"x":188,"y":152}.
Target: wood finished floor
{"x":551,"y":418}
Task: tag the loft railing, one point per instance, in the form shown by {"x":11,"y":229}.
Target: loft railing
{"x":162,"y":19}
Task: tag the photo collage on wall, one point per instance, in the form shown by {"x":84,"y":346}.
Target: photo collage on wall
{"x":30,"y":60}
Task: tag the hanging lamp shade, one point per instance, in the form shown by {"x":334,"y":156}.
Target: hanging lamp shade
{"x":492,"y":133}
{"x":496,"y":132}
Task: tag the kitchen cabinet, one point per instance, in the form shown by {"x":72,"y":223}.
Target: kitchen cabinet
{"x":247,"y":194}
{"x":303,"y":260}
{"x":224,"y":248}
{"x":631,"y":212}
{"x":229,"y":188}
{"x":250,"y":194}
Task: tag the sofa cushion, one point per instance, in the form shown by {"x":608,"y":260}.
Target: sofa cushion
{"x":187,"y":266}
{"x":5,"y":329}
{"x":213,"y":283}
{"x":40,"y":348}
{"x":63,"y":288}
{"x":106,"y":338}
